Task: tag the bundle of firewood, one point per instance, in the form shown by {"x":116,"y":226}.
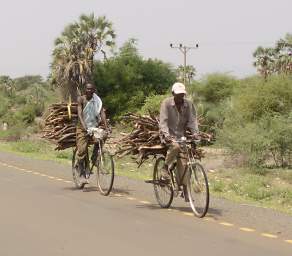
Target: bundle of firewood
{"x":144,"y":140}
{"x":60,"y":125}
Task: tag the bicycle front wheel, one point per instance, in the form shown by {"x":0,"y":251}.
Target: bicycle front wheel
{"x":76,"y":172}
{"x":198,"y":190}
{"x":105,"y":172}
{"x":162,"y":189}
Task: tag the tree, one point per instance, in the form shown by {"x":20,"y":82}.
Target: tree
{"x":275,"y":60}
{"x":7,"y":85}
{"x":190,"y":73}
{"x":73,"y":55}
{"x":126,"y":79}
{"x":265,"y":59}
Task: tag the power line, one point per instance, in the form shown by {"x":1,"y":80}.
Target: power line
{"x":184,"y":49}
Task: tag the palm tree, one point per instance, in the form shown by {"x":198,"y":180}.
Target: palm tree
{"x":190,"y":72}
{"x":265,"y":58}
{"x":276,"y":60}
{"x":284,"y":55}
{"x":7,"y":85}
{"x":73,"y":55}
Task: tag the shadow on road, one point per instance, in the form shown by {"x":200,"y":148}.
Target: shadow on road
{"x":212,"y":212}
{"x":73,"y":188}
{"x":121,"y":191}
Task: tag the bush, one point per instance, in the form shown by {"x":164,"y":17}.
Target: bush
{"x":211,"y":97}
{"x":28,"y":113}
{"x":217,"y":87}
{"x":152,"y":104}
{"x":255,"y":99}
{"x":4,"y":106}
{"x":280,"y":135}
{"x":258,"y":122}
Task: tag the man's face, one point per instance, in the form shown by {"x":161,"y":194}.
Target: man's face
{"x":89,"y":90}
{"x":179,"y":98}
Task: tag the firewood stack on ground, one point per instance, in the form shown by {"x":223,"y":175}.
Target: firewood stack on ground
{"x":60,"y":125}
{"x":144,"y":140}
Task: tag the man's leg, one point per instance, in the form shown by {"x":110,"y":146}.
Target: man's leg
{"x":170,"y":158}
{"x":82,"y":146}
{"x":95,"y":153}
{"x":172,"y":153}
{"x":183,"y":173}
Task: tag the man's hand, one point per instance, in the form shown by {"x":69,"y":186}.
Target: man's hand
{"x":167,"y":139}
{"x":195,"y":136}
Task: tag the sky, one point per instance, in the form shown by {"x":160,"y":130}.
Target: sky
{"x":227,"y":31}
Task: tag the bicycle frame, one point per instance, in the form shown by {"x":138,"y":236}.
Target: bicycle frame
{"x":187,"y":147}
{"x":99,"y":154}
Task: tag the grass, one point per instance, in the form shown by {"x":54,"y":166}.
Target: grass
{"x":270,"y":188}
{"x":37,"y":149}
{"x":263,"y":187}
{"x":128,"y":167}
{"x":10,"y":133}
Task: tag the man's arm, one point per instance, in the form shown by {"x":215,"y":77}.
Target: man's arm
{"x":103,"y":118}
{"x":192,"y":123}
{"x":80,"y":112}
{"x":163,"y":120}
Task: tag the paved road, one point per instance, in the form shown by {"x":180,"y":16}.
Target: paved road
{"x":42,"y":214}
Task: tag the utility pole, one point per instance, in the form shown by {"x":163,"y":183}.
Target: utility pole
{"x":184,"y":49}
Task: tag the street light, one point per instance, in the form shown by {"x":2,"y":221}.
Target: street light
{"x":184,"y":49}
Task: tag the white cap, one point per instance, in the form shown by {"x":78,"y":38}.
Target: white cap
{"x":178,"y":88}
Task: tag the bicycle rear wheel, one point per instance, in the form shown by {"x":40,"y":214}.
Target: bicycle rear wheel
{"x":198,"y":190}
{"x":105,"y":172}
{"x":162,"y":189}
{"x":76,"y":172}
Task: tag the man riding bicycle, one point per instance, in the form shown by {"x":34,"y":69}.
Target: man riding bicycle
{"x":177,"y":115}
{"x":90,"y":113}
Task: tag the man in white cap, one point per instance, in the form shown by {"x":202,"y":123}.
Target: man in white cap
{"x":177,"y":115}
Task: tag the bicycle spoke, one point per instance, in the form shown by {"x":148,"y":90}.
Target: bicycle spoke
{"x":198,"y":190}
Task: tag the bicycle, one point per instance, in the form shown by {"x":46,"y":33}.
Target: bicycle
{"x":197,"y":184}
{"x":101,"y":163}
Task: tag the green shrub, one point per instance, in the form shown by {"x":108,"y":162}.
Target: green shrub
{"x":217,"y":87}
{"x":284,"y":196}
{"x":258,"y":122}
{"x":218,"y":186}
{"x":28,"y":113}
{"x":4,"y":106}
{"x":255,"y":99}
{"x":152,"y":104}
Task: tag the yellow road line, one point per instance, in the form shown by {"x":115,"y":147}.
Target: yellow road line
{"x":144,"y":202}
{"x":188,"y":214}
{"x":209,"y":219}
{"x":247,"y":229}
{"x":269,"y":235}
{"x":35,"y":173}
{"x":131,"y":198}
{"x":227,"y":224}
